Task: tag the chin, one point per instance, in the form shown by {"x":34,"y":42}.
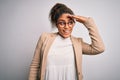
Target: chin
{"x":66,"y":36}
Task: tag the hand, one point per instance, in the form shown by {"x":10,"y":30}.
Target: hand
{"x":80,"y":19}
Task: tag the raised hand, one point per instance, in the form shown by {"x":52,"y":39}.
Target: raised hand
{"x":80,"y":19}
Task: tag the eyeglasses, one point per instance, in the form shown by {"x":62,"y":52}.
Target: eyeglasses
{"x":63,"y":24}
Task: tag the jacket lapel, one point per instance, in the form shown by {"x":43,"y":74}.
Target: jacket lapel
{"x":78,"y":55}
{"x":50,"y":38}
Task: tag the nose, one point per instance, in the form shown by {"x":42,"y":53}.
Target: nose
{"x":66,"y":25}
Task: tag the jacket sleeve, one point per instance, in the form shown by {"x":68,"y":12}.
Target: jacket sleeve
{"x":97,"y":45}
{"x":35,"y":64}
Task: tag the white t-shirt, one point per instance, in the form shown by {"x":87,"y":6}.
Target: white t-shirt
{"x":60,"y":60}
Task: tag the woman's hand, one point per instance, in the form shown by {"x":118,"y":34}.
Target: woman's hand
{"x":80,"y":19}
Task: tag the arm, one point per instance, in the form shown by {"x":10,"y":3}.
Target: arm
{"x":96,"y":45}
{"x":35,"y":65}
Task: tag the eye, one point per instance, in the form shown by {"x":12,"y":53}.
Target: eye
{"x":61,"y":23}
{"x":70,"y":22}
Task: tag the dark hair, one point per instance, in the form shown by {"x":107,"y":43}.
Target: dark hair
{"x":57,"y":10}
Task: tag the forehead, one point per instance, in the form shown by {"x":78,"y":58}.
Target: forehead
{"x":64,"y":17}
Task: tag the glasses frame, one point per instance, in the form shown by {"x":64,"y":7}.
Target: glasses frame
{"x":63,"y":23}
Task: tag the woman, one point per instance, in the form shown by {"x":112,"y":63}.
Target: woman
{"x":58,"y":56}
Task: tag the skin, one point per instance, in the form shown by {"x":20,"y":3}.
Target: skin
{"x":66,"y":31}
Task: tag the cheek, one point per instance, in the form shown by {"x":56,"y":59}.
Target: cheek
{"x":71,"y":29}
{"x":60,"y":29}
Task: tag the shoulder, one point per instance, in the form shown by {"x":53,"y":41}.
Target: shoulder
{"x":46,"y":35}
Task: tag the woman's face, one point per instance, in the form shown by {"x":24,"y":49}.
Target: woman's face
{"x":65,"y":25}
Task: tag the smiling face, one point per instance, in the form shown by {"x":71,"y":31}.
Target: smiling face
{"x":65,"y":25}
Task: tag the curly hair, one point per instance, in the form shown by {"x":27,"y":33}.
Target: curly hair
{"x":57,"y":10}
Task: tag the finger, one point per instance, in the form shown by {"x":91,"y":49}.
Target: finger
{"x":70,"y":16}
{"x":76,"y":18}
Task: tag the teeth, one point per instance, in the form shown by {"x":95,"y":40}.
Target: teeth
{"x":66,"y":31}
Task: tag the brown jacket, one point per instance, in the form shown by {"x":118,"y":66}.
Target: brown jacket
{"x":38,"y":65}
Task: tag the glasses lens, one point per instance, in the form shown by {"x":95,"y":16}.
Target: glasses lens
{"x":63,"y":24}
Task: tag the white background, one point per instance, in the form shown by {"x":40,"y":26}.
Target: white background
{"x":23,"y":21}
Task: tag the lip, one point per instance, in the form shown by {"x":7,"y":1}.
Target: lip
{"x":66,"y":32}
